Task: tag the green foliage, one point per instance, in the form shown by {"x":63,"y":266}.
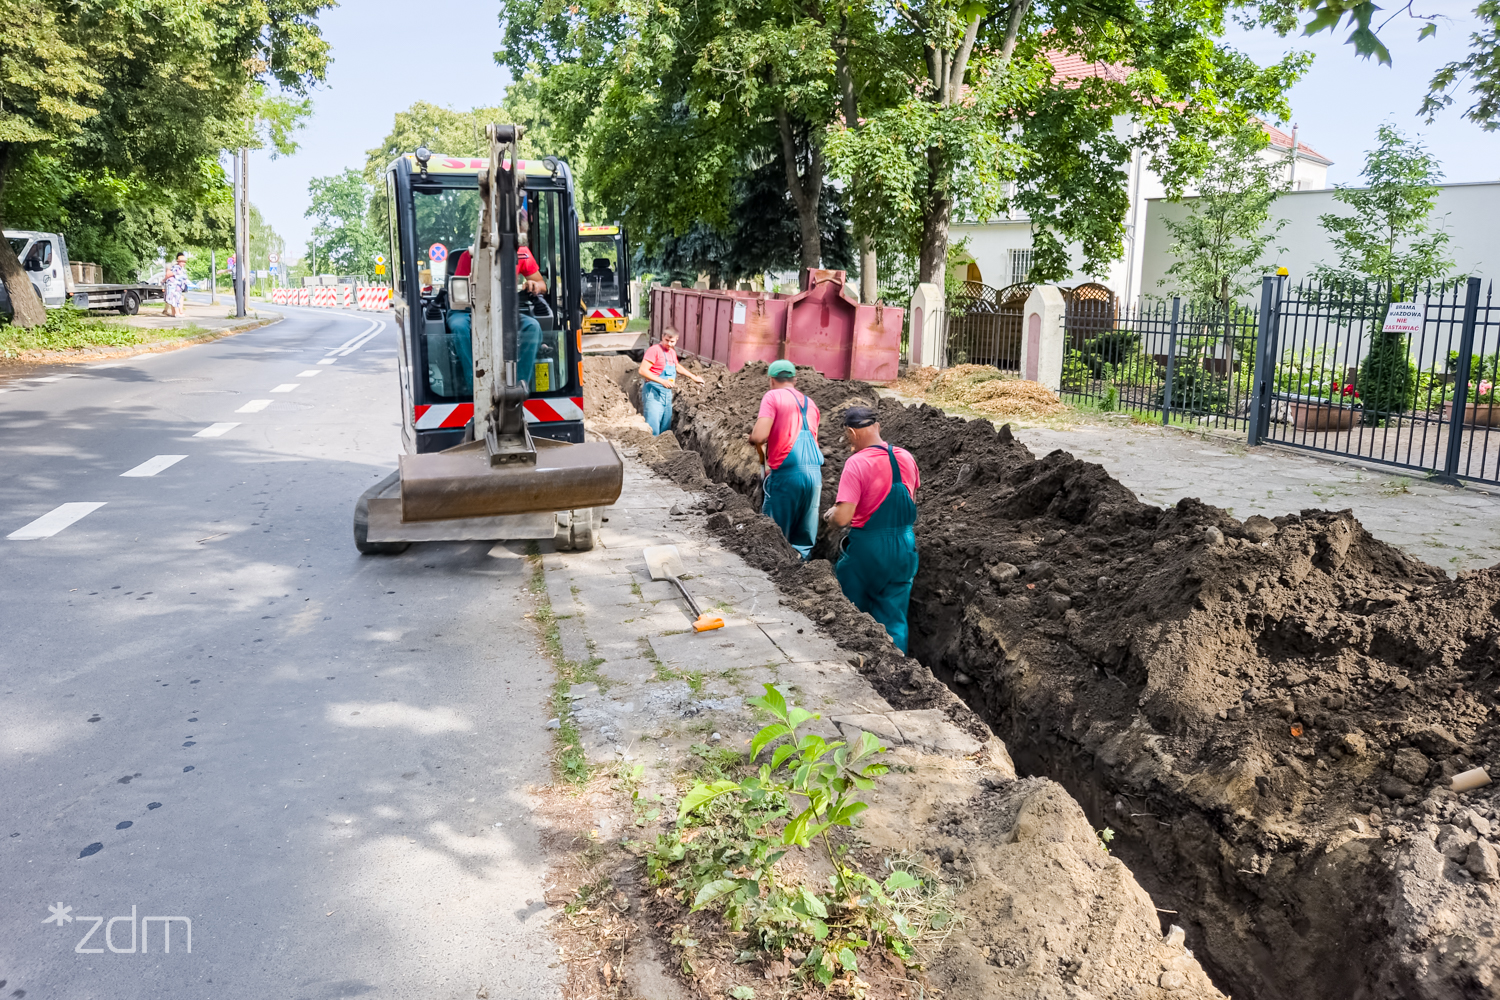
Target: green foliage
{"x":1195,"y":389}
{"x":1220,"y":248}
{"x":1388,"y":239}
{"x":1109,"y":349}
{"x":722,"y":853}
{"x":1075,"y":370}
{"x":1387,"y":377}
{"x":66,"y":329}
{"x":344,"y":240}
{"x":1315,"y":375}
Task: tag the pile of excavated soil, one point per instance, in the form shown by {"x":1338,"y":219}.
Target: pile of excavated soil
{"x":1267,"y":712}
{"x":982,"y":388}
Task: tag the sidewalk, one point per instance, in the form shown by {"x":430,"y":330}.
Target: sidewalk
{"x":1456,"y":528}
{"x":654,"y":706}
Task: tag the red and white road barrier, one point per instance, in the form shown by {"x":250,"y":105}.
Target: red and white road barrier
{"x":374,"y":297}
{"x":369,"y":297}
{"x":441,"y":416}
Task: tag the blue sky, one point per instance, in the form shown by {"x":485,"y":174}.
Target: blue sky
{"x":388,"y":54}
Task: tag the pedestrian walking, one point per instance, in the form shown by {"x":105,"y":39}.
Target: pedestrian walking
{"x":173,"y":284}
{"x":660,"y":370}
{"x":876,"y":502}
{"x":786,"y":435}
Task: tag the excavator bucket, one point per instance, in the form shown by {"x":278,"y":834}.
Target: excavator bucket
{"x":460,"y":482}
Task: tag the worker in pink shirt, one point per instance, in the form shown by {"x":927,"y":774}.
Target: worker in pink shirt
{"x":876,"y":503}
{"x":660,"y":370}
{"x":786,"y":429}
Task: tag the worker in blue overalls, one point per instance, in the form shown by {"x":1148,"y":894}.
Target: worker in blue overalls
{"x":786,"y":435}
{"x":660,"y":369}
{"x":876,"y":501}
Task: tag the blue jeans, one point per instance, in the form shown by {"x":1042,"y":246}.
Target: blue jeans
{"x":656,"y":406}
{"x":528,"y":339}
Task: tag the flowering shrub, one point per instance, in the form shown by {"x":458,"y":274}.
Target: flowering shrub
{"x":1484,"y":392}
{"x":1314,"y":376}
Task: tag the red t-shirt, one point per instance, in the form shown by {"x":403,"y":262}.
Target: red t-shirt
{"x":784,"y":407}
{"x":866,"y":480}
{"x":659,"y":357}
{"x":526,"y":264}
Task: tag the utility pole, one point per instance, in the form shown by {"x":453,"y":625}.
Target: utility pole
{"x":213,"y":276}
{"x":241,"y":226}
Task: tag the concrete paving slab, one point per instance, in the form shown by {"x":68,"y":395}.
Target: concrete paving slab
{"x":574,"y":639}
{"x":799,"y":641}
{"x":930,"y":729}
{"x":879,"y":726}
{"x":731,"y":646}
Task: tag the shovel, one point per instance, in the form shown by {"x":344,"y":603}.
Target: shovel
{"x":665,"y":563}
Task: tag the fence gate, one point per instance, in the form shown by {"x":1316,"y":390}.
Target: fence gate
{"x":1340,"y":371}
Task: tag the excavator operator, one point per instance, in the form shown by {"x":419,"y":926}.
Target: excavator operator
{"x":528,"y":330}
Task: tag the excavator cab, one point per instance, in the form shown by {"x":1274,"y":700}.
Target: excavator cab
{"x":604,"y":261}
{"x":490,"y":364}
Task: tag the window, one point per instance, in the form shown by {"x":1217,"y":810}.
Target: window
{"x":544,"y":238}
{"x":398,"y":276}
{"x":600,"y":264}
{"x":1020,"y":266}
{"x":40,"y":257}
{"x":445,"y":222}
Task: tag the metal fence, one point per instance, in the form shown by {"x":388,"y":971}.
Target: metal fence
{"x":982,"y":326}
{"x":1337,"y":378}
{"x":1166,"y":361}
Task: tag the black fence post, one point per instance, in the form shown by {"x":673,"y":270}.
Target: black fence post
{"x":1461,"y":384}
{"x":1260,"y":385}
{"x":1166,"y":392}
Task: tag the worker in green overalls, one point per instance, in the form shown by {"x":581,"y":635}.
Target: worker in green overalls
{"x":786,"y":434}
{"x":876,"y":503}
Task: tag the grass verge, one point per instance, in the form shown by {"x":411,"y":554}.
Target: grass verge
{"x":69,"y":329}
{"x":572,"y":764}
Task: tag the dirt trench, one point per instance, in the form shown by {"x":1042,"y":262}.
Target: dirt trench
{"x":1266,"y":712}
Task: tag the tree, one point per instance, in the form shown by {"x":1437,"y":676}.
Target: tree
{"x":991,"y":121}
{"x":1220,"y":246}
{"x":1388,"y":241}
{"x":140,"y":90}
{"x":343,"y":235}
{"x":1388,"y":238}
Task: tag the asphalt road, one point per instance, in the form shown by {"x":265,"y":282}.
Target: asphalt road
{"x":212,"y":708}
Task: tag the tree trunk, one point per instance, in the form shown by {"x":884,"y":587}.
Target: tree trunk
{"x":869,"y":285}
{"x":806,"y":188}
{"x":937,"y":207}
{"x":27,"y":306}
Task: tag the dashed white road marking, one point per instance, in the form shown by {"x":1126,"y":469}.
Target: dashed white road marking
{"x":286,"y":387}
{"x":55,"y":520}
{"x":254,"y":406}
{"x":152,"y":466}
{"x":328,"y":361}
{"x":216,"y":430}
{"x":309,"y":373}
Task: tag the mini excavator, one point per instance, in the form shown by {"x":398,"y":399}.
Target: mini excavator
{"x":490,"y":366}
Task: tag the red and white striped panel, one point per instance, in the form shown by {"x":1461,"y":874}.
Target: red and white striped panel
{"x":540,"y":411}
{"x":605,"y":312}
{"x":325,"y":297}
{"x":442,"y":416}
{"x":304,"y":296}
{"x":374,"y":297}
{"x":346,"y":296}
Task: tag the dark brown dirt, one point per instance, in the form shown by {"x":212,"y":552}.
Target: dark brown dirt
{"x":1267,"y":712}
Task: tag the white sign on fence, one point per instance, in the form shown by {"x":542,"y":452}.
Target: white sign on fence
{"x":1404,"y":318}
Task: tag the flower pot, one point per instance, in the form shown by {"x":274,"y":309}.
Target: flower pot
{"x":1323,"y":416}
{"x":1476,"y":414}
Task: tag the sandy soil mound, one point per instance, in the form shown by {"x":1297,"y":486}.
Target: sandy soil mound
{"x":983,"y":388}
{"x":1267,"y":711}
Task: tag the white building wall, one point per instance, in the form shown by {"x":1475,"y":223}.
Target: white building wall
{"x":991,"y":243}
{"x":1469,"y":212}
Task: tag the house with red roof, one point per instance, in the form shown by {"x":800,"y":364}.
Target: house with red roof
{"x":999,"y":249}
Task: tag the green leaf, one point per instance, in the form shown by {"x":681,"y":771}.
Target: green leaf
{"x":714,"y":890}
{"x":772,"y":701}
{"x":781,"y":754}
{"x":846,"y":958}
{"x":797,"y":716}
{"x":813,"y":904}
{"x":768,"y":735}
{"x":700,"y":795}
{"x":742,"y":993}
{"x":819,"y":930}
{"x":901,"y":880}
{"x":1428,"y":30}
{"x":868,"y":744}
{"x":846,"y":813}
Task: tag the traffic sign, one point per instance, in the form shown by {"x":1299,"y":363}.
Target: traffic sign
{"x":379,"y":268}
{"x":437,"y":253}
{"x":380,"y":258}
{"x":275,"y":259}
